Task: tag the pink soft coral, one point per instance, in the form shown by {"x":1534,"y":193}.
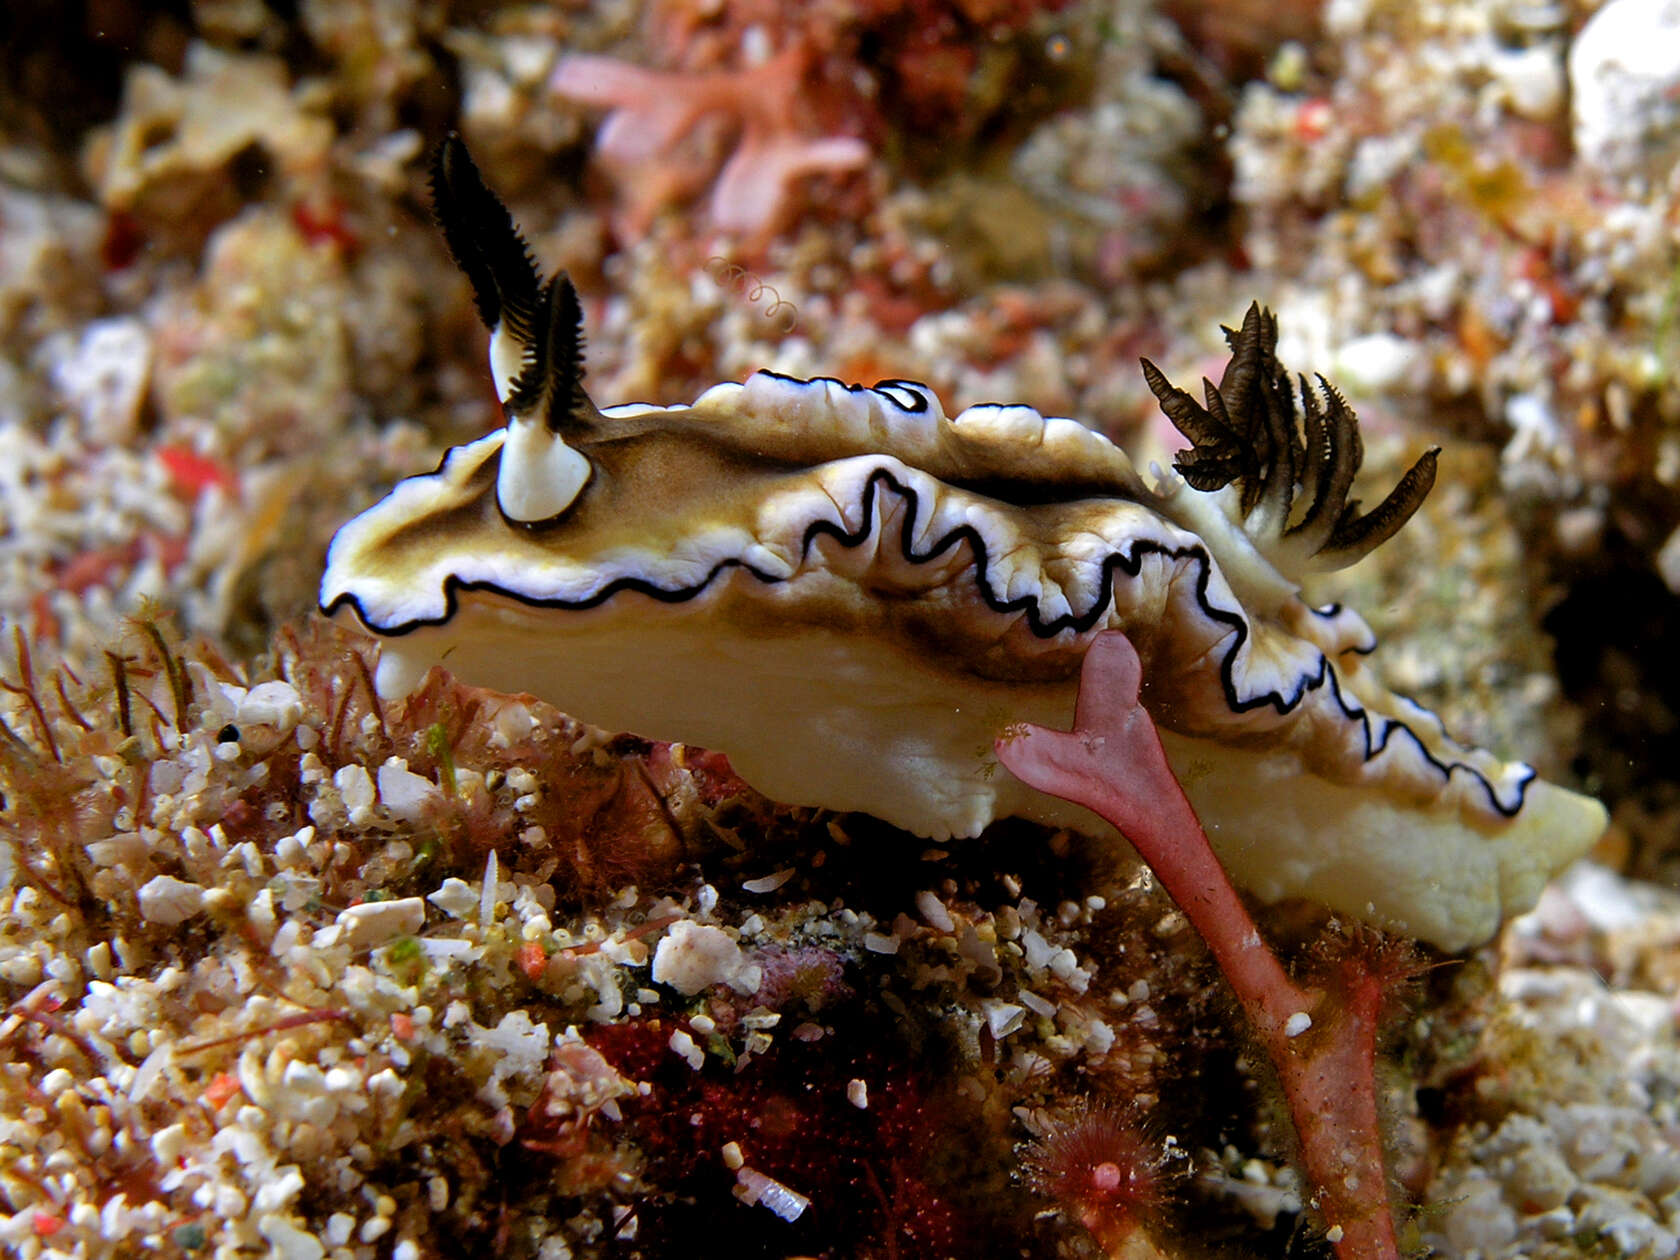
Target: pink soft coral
{"x":654,"y":149}
{"x":1322,"y":1042}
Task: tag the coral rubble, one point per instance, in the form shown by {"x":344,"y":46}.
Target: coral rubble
{"x":286,"y":969}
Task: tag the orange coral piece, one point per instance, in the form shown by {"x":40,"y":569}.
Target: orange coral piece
{"x":190,"y":473}
{"x":222,"y":1086}
{"x":532,"y":959}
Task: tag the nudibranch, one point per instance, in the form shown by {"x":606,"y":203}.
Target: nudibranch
{"x":851,"y":594}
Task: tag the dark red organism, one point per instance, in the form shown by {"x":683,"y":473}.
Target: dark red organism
{"x":122,"y":242}
{"x":897,"y":1178}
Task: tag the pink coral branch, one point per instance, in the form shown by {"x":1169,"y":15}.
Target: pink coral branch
{"x":1324,"y":1051}
{"x":653,"y":112}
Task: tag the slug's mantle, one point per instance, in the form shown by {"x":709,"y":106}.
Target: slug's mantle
{"x":851,"y":594}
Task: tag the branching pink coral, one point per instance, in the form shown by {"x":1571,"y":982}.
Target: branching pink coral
{"x":652,"y":146}
{"x":1321,"y":1042}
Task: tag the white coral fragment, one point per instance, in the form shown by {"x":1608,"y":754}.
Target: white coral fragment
{"x":1624,"y":79}
{"x":752,"y":1186}
{"x":104,"y":377}
{"x":517,"y":1048}
{"x":175,"y":136}
{"x":695,"y":956}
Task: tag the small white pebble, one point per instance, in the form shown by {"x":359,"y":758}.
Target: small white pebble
{"x":261,"y":915}
{"x":857,"y":1093}
{"x":1297,"y":1024}
{"x":385,"y":1084}
{"x":404,"y":794}
{"x":279,"y":1190}
{"x":290,"y":852}
{"x":56,"y":1082}
{"x":169,"y":901}
{"x":682,"y":1045}
{"x":355,"y":787}
{"x":1036,"y":1004}
{"x":275,"y":704}
{"x":934,"y":911}
{"x":375,"y":922}
{"x":510,"y":723}
{"x":455,"y":898}
{"x":767,"y":883}
{"x":287,"y":1241}
{"x":375,"y":1229}
{"x":1002,"y":1018}
{"x":98,"y":960}
{"x":487,"y":890}
{"x":168,"y":1145}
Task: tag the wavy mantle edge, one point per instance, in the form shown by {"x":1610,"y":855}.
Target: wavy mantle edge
{"x":1127,"y":560}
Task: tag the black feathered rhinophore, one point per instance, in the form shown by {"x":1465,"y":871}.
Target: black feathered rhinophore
{"x":543,"y":319}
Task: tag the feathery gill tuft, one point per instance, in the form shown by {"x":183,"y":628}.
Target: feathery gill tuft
{"x":1252,"y":433}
